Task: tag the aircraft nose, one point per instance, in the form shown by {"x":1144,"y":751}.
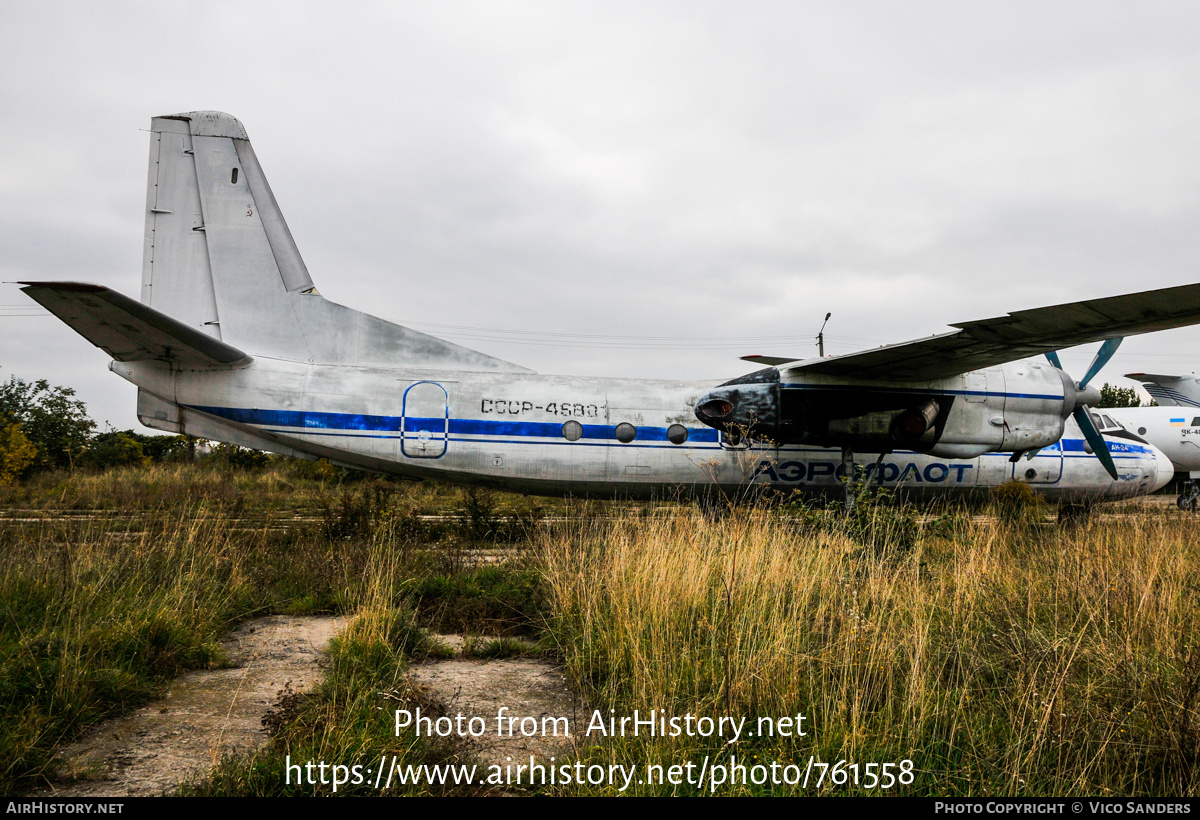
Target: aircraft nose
{"x":1164,"y":469}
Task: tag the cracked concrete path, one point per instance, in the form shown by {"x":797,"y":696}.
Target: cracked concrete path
{"x":205,"y":714}
{"x":527,"y":687}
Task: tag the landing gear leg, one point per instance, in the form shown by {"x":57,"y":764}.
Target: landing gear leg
{"x":1188,"y":498}
{"x":848,"y":477}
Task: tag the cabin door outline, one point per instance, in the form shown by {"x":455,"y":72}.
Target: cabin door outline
{"x":425,"y":420}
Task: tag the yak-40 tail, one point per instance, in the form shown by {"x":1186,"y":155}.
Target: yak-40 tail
{"x":222,"y":279}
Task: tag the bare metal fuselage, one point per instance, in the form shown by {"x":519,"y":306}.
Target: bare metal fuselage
{"x":515,"y":431}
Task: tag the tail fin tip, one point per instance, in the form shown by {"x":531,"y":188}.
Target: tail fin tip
{"x":210,"y":124}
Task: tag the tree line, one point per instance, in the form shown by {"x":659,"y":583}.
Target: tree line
{"x":44,"y":427}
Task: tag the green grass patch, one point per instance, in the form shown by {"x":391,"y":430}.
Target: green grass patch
{"x":503,"y":599}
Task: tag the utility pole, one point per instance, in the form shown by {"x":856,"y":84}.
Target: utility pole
{"x":821,"y":337}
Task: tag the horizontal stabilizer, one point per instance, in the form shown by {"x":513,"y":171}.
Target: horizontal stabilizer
{"x":1159,"y":377}
{"x":128,"y":330}
{"x":1170,"y":390}
{"x":770,"y":361}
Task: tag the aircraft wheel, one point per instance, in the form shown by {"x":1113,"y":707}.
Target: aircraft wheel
{"x":1187,"y":503}
{"x":1071,"y":514}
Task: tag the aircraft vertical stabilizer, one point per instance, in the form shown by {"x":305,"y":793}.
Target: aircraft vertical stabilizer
{"x":219,"y":257}
{"x":218,"y":254}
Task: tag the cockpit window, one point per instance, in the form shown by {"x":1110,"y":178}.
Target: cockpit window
{"x":764,"y":376}
{"x":1104,"y":422}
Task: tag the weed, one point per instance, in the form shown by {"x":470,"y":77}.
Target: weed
{"x":1015,"y":504}
{"x":496,"y":599}
{"x":497,"y":648}
{"x":884,"y":525}
{"x":479,"y":510}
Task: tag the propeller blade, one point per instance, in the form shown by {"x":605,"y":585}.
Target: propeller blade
{"x":1102,"y":356}
{"x":1053,"y":357}
{"x":1099,"y":446}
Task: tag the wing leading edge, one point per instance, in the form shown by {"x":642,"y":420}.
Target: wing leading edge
{"x":1019,"y":335}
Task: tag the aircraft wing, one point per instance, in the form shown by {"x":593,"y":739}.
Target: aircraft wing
{"x":1017,"y":335}
{"x":127,"y":330}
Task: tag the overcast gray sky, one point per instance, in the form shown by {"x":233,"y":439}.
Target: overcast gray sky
{"x":714,"y":174}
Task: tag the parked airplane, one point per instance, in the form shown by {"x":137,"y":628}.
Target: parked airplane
{"x":231,"y":341}
{"x":1173,"y":427}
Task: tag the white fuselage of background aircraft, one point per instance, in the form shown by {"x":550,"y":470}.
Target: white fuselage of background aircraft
{"x":1173,"y":430}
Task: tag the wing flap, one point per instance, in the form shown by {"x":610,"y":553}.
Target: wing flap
{"x":128,"y":330}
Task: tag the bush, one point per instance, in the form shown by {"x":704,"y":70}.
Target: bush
{"x":166,"y":448}
{"x":114,"y":449}
{"x":17,"y":453}
{"x":1015,"y":502}
{"x":240,"y":458}
{"x":882,"y":523}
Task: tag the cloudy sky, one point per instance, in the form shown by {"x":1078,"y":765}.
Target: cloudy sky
{"x":627,"y":189}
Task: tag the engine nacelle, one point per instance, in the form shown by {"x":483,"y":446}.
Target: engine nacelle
{"x":1019,"y":406}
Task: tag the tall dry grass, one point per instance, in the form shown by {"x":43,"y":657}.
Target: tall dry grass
{"x":1000,"y":659}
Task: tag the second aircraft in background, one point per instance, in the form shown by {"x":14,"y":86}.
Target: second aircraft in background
{"x":1173,"y":427}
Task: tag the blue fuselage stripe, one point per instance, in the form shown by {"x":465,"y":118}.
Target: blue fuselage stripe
{"x":302,"y":420}
{"x":311,"y":422}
